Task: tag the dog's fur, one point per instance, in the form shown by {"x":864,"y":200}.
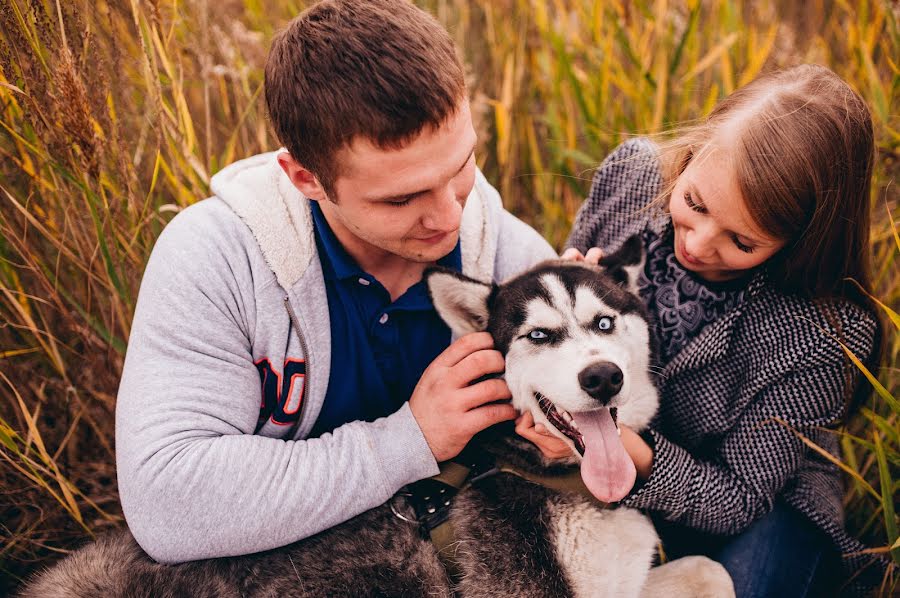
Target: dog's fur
{"x":513,"y":537}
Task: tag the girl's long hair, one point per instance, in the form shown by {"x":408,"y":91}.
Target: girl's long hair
{"x":804,"y":153}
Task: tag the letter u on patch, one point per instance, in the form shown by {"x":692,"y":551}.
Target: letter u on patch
{"x":282,"y":392}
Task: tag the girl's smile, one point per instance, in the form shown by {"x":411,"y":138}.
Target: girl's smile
{"x":683,"y":256}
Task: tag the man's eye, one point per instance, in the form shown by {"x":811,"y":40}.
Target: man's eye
{"x":605,"y":323}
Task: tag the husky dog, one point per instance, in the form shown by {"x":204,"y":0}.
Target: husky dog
{"x":577,"y":348}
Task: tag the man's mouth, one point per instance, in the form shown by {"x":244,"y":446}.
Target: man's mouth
{"x":563,"y":421}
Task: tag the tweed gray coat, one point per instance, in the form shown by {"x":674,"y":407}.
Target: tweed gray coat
{"x":722,"y":451}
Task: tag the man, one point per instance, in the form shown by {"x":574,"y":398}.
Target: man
{"x":286,"y":370}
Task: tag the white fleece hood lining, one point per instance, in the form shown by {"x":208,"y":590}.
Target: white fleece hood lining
{"x":278,"y":215}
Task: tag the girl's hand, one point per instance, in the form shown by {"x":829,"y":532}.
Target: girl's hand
{"x":639,"y":451}
{"x":550,"y":445}
{"x":593,"y":255}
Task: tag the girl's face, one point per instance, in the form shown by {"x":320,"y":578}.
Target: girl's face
{"x":715,"y":237}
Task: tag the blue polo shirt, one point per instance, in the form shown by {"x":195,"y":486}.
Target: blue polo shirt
{"x":379,"y":349}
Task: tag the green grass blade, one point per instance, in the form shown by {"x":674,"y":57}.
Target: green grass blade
{"x":887,"y":496}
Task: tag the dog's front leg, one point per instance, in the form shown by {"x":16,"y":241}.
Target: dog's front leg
{"x":605,"y":553}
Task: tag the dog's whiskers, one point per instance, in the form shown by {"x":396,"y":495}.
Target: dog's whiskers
{"x":297,"y":573}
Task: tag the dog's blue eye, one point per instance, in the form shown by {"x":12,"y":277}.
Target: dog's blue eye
{"x":604,"y":323}
{"x":537,"y":335}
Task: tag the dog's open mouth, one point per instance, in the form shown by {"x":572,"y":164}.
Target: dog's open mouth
{"x":565,"y":423}
{"x":607,"y":470}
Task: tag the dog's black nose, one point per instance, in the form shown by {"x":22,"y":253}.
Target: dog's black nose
{"x":602,"y":380}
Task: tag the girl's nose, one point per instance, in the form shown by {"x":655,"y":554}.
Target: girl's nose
{"x":698,"y":243}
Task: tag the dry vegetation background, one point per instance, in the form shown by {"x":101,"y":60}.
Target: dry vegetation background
{"x":114,"y":114}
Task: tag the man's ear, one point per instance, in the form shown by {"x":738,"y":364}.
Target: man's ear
{"x":303,"y":179}
{"x":626,"y":263}
{"x":462,"y":302}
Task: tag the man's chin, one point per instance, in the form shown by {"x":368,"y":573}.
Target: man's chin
{"x":427,"y":251}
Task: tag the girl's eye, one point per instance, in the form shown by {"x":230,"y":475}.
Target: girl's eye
{"x":538,"y":335}
{"x":689,"y":201}
{"x":741,"y":246}
{"x":604,"y":323}
{"x":401,"y":202}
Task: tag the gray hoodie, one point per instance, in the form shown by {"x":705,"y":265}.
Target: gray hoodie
{"x":232,"y":280}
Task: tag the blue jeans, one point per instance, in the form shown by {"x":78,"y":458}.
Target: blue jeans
{"x":778,"y":555}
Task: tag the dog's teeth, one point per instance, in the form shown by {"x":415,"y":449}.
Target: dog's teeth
{"x":567,"y":417}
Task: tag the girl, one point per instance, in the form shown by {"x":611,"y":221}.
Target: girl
{"x":760,"y":221}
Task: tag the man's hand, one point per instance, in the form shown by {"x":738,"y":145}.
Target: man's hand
{"x":550,"y":445}
{"x":448,"y":408}
{"x":592,"y":257}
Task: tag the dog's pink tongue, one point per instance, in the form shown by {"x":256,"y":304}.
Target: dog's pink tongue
{"x":607,"y":470}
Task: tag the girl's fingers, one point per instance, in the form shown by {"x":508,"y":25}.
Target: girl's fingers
{"x":593,"y":255}
{"x":524,"y":422}
{"x":572,"y":254}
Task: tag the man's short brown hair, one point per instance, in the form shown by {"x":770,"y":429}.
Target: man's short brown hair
{"x":381,"y":69}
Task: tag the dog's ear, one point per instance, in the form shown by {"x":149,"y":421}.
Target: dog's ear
{"x":462,"y":302}
{"x":626,"y":263}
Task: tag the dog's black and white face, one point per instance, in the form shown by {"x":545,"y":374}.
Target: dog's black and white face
{"x":577,"y":346}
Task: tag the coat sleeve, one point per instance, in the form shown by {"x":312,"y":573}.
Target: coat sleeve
{"x":194,"y":480}
{"x":761,"y":452}
{"x":617,"y":205}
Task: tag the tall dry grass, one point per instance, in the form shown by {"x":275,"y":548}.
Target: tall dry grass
{"x":115,"y":114}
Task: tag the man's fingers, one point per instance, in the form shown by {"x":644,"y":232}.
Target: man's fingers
{"x":475,"y":365}
{"x":463,"y":347}
{"x":486,"y":391}
{"x":488,"y":415}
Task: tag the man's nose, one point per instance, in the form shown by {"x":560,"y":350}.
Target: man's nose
{"x":445,"y":212}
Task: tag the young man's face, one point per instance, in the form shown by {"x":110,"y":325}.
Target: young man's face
{"x":406,"y":202}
